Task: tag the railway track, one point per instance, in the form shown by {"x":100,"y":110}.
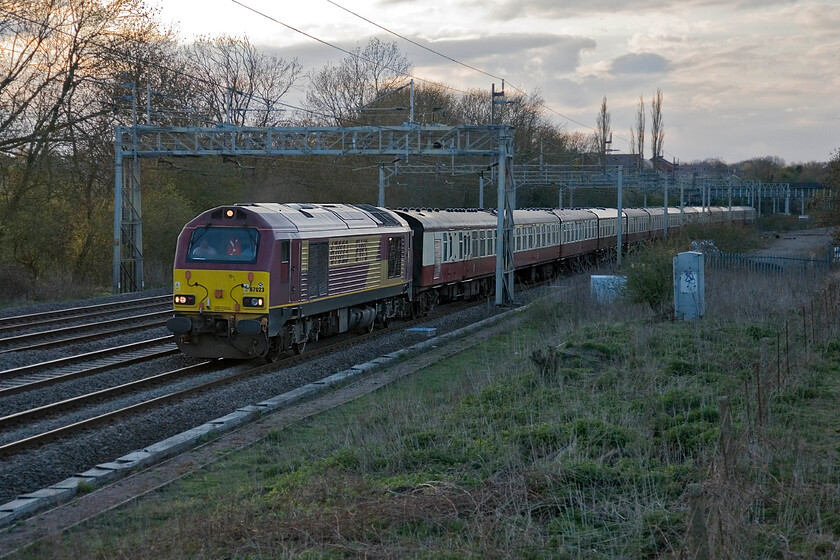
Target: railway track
{"x":84,"y":313}
{"x":44,"y":374}
{"x":31,"y":380}
{"x":46,"y":436}
{"x":41,"y":340}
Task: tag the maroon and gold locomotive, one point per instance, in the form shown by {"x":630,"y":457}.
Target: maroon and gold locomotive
{"x":257,"y":279}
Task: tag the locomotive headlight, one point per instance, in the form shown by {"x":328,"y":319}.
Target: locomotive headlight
{"x":253,"y":302}
{"x":184,"y":300}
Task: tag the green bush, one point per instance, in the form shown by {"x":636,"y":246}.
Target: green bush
{"x":649,"y":275}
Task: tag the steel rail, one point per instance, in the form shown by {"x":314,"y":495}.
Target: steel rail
{"x":75,"y":402}
{"x":64,"y":431}
{"x":41,"y":383}
{"x":151,"y":320}
{"x":87,"y":356}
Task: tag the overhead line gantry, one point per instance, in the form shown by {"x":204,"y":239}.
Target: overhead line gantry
{"x":148,"y":141}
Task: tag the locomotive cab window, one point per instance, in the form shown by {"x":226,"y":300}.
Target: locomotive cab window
{"x":223,"y":244}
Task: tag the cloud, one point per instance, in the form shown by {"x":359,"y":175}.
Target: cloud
{"x":741,"y":78}
{"x":506,"y":10}
{"x":640,"y":63}
{"x":816,"y":16}
{"x":517,"y":55}
{"x":511,"y":52}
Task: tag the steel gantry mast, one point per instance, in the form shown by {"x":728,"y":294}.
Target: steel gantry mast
{"x":147,"y":141}
{"x":504,"y":222}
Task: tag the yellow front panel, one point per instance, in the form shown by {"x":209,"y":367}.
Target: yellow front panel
{"x":220,"y":291}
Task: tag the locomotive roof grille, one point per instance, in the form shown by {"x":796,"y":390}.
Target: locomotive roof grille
{"x":384,"y":218}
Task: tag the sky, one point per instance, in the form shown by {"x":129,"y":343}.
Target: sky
{"x":739,"y":78}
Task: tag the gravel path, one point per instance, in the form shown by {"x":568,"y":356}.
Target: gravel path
{"x":809,"y":243}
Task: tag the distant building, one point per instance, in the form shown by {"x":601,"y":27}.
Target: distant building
{"x":629,"y":161}
{"x":635,"y":161}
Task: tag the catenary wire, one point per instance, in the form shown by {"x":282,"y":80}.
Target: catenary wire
{"x":355,"y":55}
{"x":327,"y":43}
{"x":415,"y":43}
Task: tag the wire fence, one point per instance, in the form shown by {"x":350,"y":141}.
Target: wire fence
{"x":775,"y":263}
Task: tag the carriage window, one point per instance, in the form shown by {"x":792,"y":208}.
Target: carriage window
{"x":224,"y":244}
{"x":284,"y":251}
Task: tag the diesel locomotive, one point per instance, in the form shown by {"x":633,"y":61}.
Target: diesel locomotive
{"x":255,"y":280}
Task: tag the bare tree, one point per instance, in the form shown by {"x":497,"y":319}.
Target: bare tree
{"x":49,"y":48}
{"x":236,"y":83}
{"x":337,"y":94}
{"x":640,"y":131}
{"x":54,"y":52}
{"x":603,"y":135}
{"x":657,"y":130}
{"x":61,"y":63}
{"x":433,"y":103}
{"x":472,"y":107}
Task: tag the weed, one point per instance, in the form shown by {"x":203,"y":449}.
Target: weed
{"x":85,"y":487}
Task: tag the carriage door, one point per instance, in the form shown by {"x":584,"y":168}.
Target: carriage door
{"x":319,"y":260}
